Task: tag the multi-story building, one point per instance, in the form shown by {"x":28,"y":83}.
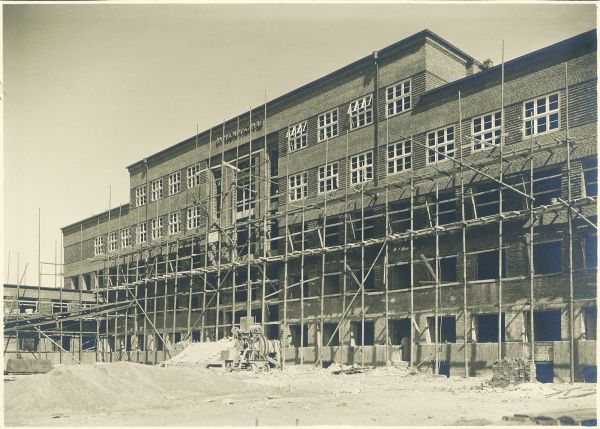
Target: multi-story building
{"x":414,"y":205}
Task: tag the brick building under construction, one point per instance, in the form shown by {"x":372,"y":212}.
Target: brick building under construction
{"x":415,"y":205}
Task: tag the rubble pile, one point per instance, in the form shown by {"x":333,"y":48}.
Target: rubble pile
{"x":510,"y":371}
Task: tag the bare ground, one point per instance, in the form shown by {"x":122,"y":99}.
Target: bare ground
{"x":127,"y":394}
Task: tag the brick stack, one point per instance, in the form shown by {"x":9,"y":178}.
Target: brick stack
{"x":510,"y":371}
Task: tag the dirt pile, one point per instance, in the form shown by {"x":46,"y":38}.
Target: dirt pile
{"x":112,"y":386}
{"x":199,"y":353}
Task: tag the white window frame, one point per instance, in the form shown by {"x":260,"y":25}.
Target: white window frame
{"x":298,"y":186}
{"x":140,"y":196}
{"x":328,"y":125}
{"x":486,"y":130}
{"x":398,"y":98}
{"x":156,"y":190}
{"x":193,"y":217}
{"x":174,"y":223}
{"x":125,"y":237}
{"x":57,"y":307}
{"x":142,"y":233}
{"x":98,"y":246}
{"x":193,"y":175}
{"x":329,"y":178}
{"x":112,"y":241}
{"x":156,"y":228}
{"x":399,"y":157}
{"x":174,"y":183}
{"x":533,"y":117}
{"x":360,"y":112}
{"x":438,"y":140}
{"x":297,"y":137}
{"x":361,"y":168}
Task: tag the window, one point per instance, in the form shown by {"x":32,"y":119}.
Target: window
{"x":193,"y":175}
{"x":397,"y":98}
{"x":156,"y":190}
{"x":140,"y":196}
{"x":112,"y":241}
{"x":328,"y":125}
{"x":591,"y":252}
{"x":328,"y":177}
{"x":448,"y":269}
{"x":446,"y":329}
{"x":98,"y":245}
{"x":399,"y":277}
{"x":541,"y":115}
{"x":142,"y":233}
{"x":486,"y":131}
{"x":27,"y":306}
{"x":246,"y":185}
{"x":298,"y":339}
{"x":399,"y":157}
{"x":193,"y":217}
{"x":486,"y":328}
{"x":369,"y":333}
{"x":488,"y":264}
{"x":174,"y":183}
{"x":546,"y":325}
{"x":487,"y":199}
{"x":156,"y":226}
{"x":361,"y":112}
{"x":58,"y":307}
{"x":296,"y":137}
{"x":331,"y":334}
{"x":298,"y":186}
{"x":125,"y":238}
{"x":441,"y":144}
{"x":590,"y":176}
{"x":547,"y":258}
{"x":361,"y":168}
{"x":546,"y":186}
{"x":174,"y":223}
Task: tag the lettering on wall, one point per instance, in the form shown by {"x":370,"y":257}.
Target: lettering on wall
{"x":236,"y":134}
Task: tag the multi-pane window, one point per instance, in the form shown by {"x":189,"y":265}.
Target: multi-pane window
{"x":156,"y":226}
{"x":328,"y":177}
{"x":156,"y":189}
{"x":541,"y":115}
{"x":142,"y":233}
{"x":399,"y":157}
{"x":328,"y":125}
{"x":174,"y":182}
{"x":296,"y":137}
{"x":193,"y":217}
{"x":193,"y":175}
{"x":361,"y":112}
{"x":398,"y":98}
{"x":486,"y":130}
{"x":112,"y":241}
{"x":361,"y":168}
{"x":98,"y":245}
{"x":140,"y":196}
{"x":298,"y":186}
{"x":441,"y":144}
{"x":174,"y":223}
{"x":125,"y":238}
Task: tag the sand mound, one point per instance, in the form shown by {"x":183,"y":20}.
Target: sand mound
{"x":200,"y":353}
{"x":112,"y":386}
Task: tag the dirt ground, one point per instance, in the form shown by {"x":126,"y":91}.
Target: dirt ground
{"x":127,"y":394}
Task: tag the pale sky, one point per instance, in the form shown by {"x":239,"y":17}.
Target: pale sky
{"x":90,"y":89}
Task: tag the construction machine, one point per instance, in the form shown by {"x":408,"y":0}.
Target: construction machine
{"x":252,"y":350}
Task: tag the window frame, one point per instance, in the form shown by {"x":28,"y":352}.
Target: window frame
{"x":112,"y":241}
{"x":99,"y":245}
{"x":193,"y":175}
{"x":393,"y":101}
{"x":141,"y":196}
{"x":156,"y":228}
{"x":175,"y":183}
{"x":546,"y":114}
{"x":301,"y":185}
{"x":174,"y":226}
{"x":193,"y":217}
{"x":361,"y":106}
{"x":403,"y":157}
{"x":325,"y":177}
{"x":361,"y":170}
{"x":496,"y":130}
{"x":297,"y":136}
{"x":444,"y":144}
{"x":142,"y":233}
{"x":125,"y":235}
{"x":333,"y":125}
{"x":156,"y":190}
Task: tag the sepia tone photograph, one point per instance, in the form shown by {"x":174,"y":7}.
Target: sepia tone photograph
{"x":284,"y":214}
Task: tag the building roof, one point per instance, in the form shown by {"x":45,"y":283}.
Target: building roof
{"x":421,"y":35}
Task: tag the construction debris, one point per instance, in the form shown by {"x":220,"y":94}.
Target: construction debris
{"x":510,"y":371}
